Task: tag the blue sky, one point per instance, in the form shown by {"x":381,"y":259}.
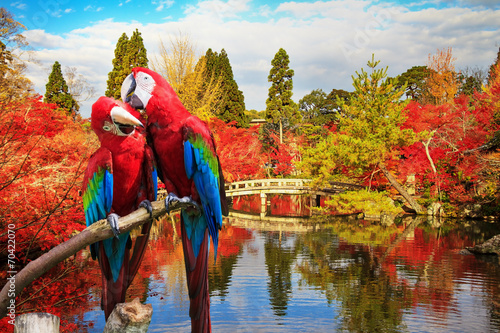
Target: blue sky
{"x":327,"y":41}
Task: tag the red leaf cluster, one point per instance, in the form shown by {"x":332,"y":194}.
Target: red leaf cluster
{"x":239,"y":150}
{"x":43,"y":155}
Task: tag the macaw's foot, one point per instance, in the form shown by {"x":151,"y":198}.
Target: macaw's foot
{"x":173,"y":202}
{"x":147,"y":204}
{"x":113,"y":222}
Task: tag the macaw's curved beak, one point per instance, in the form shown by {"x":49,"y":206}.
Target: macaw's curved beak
{"x":127,"y":90}
{"x":124,"y":121}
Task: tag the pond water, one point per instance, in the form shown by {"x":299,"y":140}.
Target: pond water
{"x":323,"y":275}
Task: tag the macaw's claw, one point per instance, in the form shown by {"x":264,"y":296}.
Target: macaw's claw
{"x":113,"y":222}
{"x":173,"y":202}
{"x":147,"y":204}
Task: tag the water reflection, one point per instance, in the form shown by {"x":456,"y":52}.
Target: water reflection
{"x":321,"y":276}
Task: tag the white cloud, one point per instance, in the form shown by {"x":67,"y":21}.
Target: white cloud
{"x":326,"y":42}
{"x":91,"y":8}
{"x":219,"y":8}
{"x":19,"y":5}
{"x":162,"y":4}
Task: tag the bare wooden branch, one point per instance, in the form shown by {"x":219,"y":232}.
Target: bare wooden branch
{"x":94,"y":233}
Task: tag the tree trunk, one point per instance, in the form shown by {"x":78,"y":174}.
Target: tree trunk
{"x":434,"y":170}
{"x":37,"y":322}
{"x":129,"y":317}
{"x":413,"y":203}
{"x":281,"y":131}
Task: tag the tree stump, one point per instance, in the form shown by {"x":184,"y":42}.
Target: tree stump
{"x":39,"y":322}
{"x":131,"y":317}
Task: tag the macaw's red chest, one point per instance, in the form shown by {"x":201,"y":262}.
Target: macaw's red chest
{"x":168,"y":144}
{"x":128,"y":161}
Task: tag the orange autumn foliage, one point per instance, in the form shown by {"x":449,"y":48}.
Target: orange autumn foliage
{"x":442,"y":84}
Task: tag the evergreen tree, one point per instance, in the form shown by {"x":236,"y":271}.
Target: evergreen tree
{"x":371,"y":127}
{"x":469,"y":84}
{"x":312,"y":106}
{"x":279,"y":106}
{"x":414,"y":79}
{"x":319,"y":109}
{"x":136,"y":55}
{"x":335,"y":98}
{"x":129,"y":53}
{"x":232,"y":105}
{"x":57,"y":92}
{"x":492,"y":73}
{"x":115,"y":77}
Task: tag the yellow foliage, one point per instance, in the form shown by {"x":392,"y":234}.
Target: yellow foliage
{"x":368,"y":202}
{"x":199,"y":91}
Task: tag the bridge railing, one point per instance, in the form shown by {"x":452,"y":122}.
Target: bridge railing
{"x":267,"y":183}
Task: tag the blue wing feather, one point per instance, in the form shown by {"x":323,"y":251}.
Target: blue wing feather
{"x":154,"y":176}
{"x":207,"y":185}
{"x":97,"y":198}
{"x":97,"y":203}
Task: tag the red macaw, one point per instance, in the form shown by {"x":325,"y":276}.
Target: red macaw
{"x":120,"y":177}
{"x":190,"y":169}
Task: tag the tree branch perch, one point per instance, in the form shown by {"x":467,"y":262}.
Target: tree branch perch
{"x":94,"y":233}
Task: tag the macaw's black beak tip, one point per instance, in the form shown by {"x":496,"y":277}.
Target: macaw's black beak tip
{"x":128,"y":86}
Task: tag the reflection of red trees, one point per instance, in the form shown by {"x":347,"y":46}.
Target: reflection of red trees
{"x":247,"y":203}
{"x":290,"y":205}
{"x":231,"y":240}
{"x":413,"y":263}
{"x":281,"y":205}
{"x":74,"y":287}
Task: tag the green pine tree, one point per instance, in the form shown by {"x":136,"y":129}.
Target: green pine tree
{"x":370,"y":129}
{"x":232,"y":104}
{"x":491,"y":72}
{"x":136,"y":55}
{"x":280,"y":107}
{"x":57,"y":92}
{"x":129,"y":53}
{"x":116,"y":77}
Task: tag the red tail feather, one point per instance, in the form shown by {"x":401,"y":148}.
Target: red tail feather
{"x":197,"y":281}
{"x":112,"y":292}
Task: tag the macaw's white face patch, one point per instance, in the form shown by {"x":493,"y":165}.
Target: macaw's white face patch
{"x":145,"y":85}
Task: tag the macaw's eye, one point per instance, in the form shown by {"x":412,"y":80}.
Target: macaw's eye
{"x":106,"y":128}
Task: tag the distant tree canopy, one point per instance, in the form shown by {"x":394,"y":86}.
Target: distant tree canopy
{"x":129,"y":53}
{"x":415,"y":81}
{"x":316,"y":108}
{"x":280,"y":107}
{"x":57,"y":92}
{"x":13,"y":84}
{"x":469,"y":84}
{"x":232,"y":103}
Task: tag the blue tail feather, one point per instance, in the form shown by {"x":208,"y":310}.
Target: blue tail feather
{"x":195,"y":226}
{"x":115,"y":252}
